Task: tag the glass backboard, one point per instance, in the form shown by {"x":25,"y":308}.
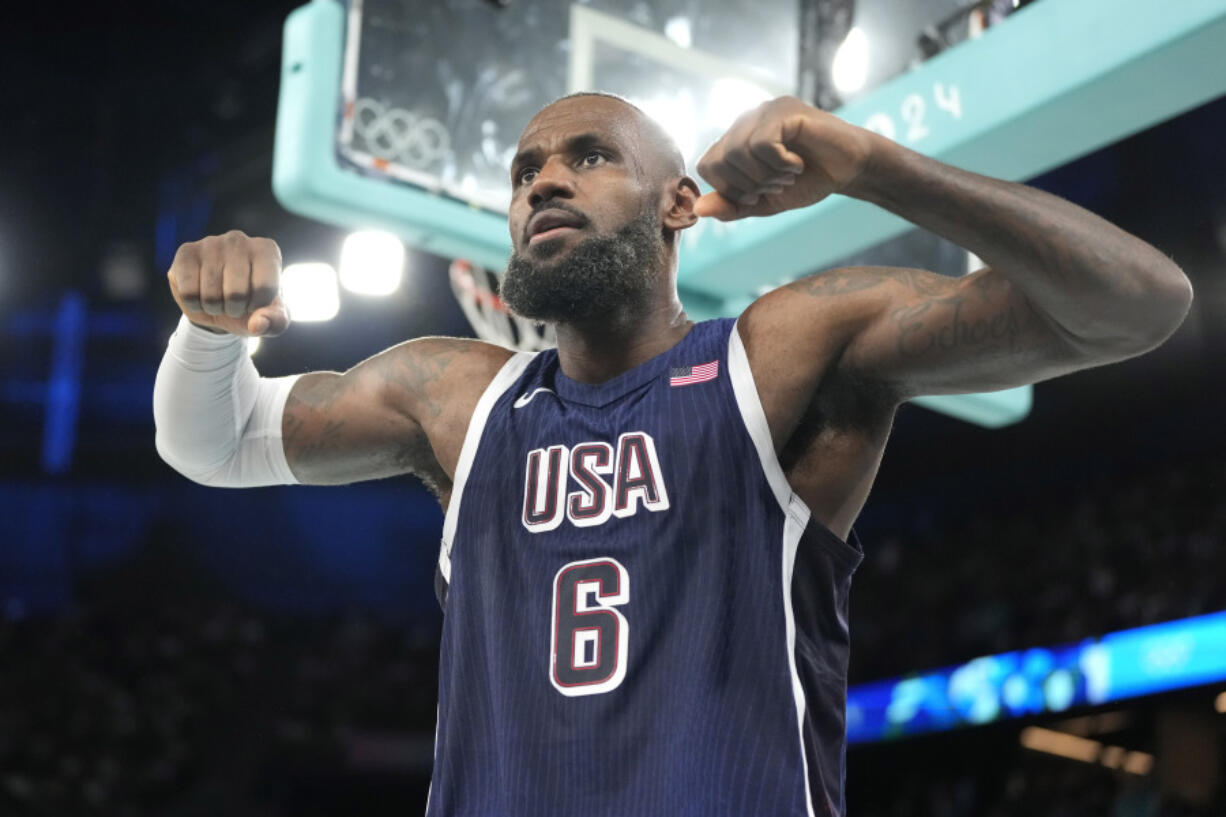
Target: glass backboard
{"x":435,"y":94}
{"x":432,"y":95}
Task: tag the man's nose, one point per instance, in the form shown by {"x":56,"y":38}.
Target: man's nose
{"x":553,"y":180}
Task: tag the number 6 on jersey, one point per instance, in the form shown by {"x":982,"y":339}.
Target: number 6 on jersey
{"x":589,"y":636}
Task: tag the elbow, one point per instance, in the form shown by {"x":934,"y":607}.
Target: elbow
{"x":187,"y":462}
{"x":165,"y":452}
{"x":1158,"y":313}
{"x":1136,"y":323}
{"x":1181,"y":289}
{"x":1167,"y":303}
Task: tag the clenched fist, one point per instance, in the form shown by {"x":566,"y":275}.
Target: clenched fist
{"x":782,"y":155}
{"x":230,"y":283}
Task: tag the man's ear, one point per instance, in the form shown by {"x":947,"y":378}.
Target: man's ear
{"x":680,"y":214}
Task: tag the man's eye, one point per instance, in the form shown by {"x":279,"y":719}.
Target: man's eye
{"x":526,"y":176}
{"x":598,"y":156}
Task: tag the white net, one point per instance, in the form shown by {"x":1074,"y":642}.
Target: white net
{"x":476,"y":288}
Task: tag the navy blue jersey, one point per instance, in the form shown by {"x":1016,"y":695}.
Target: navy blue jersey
{"x":640,"y":617}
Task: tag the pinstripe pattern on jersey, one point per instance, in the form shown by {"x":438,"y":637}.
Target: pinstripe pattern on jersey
{"x":732,"y":699}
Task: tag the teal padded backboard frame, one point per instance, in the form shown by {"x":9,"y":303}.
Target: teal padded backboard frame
{"x":1066,"y":77}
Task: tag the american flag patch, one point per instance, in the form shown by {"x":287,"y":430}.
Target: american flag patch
{"x":689,"y":375}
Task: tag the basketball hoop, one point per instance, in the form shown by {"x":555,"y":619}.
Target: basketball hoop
{"x":476,"y":288}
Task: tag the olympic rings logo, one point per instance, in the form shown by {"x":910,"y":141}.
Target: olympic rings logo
{"x":397,"y":134}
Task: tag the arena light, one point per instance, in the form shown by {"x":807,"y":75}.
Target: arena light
{"x":1101,"y":723}
{"x":310,"y":291}
{"x":1139,"y":763}
{"x":677,"y":29}
{"x":850,"y":67}
{"x":1051,"y":742}
{"x":1117,"y":666}
{"x":371,"y":262}
{"x":731,"y":97}
{"x":1059,"y":690}
{"x":676,"y":116}
{"x":1113,"y":757}
{"x":1061,"y":744}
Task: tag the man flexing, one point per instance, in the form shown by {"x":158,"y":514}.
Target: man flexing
{"x":580,"y":645}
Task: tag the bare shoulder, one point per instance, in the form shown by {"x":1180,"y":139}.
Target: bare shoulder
{"x":905,"y":332}
{"x":404,"y":410}
{"x":829,"y":425}
{"x":437,"y":381}
{"x":833,"y":355}
{"x":795,"y":337}
{"x":432,"y":376}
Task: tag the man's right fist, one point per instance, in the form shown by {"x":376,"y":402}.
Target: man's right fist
{"x":230,"y":283}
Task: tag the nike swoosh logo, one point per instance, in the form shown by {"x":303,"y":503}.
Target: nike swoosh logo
{"x":524,"y":399}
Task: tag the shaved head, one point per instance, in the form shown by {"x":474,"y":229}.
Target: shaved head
{"x":662,"y":158}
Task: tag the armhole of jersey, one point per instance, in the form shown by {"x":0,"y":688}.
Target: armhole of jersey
{"x":750,"y":405}
{"x":502,"y":381}
{"x":796,"y":520}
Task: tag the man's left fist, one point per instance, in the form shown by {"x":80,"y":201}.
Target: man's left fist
{"x":782,"y":155}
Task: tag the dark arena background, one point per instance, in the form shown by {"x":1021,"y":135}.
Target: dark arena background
{"x":1039,"y":624}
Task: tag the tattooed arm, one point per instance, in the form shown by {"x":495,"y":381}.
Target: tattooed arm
{"x":404,"y":410}
{"x":1065,"y":289}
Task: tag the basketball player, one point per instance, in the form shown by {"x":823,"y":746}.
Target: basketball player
{"x":647,"y":546}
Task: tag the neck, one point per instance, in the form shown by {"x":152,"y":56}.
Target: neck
{"x":595,"y":353}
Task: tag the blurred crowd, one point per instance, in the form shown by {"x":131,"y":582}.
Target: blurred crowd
{"x":157,"y":693}
{"x":1119,"y":553}
{"x":160,"y":692}
{"x":1034,"y":785}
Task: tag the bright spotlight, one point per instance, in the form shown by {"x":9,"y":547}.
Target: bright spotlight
{"x":310,"y":291}
{"x":676,"y":116}
{"x":850,"y":68}
{"x":1139,"y":763}
{"x":253,"y":344}
{"x":371,"y":262}
{"x":678,"y":30}
{"x":731,"y":97}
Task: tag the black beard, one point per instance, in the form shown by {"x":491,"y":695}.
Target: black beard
{"x":601,"y":278}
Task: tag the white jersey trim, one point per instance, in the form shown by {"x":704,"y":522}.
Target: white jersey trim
{"x":792,"y":531}
{"x":506,"y":377}
{"x":796,"y":519}
{"x":430,"y":785}
{"x":748,"y":402}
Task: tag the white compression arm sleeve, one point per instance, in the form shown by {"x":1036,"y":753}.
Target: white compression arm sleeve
{"x":219,"y":422}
